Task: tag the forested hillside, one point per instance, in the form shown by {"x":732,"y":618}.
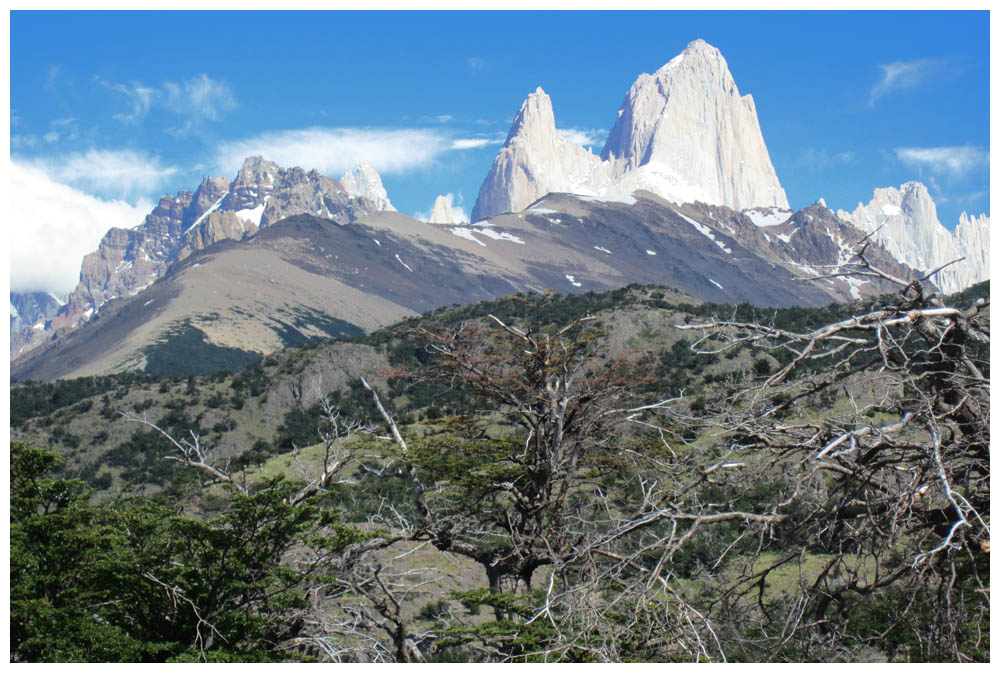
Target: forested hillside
{"x":625,"y":476}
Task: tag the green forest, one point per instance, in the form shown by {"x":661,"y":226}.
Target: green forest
{"x":631,"y":476}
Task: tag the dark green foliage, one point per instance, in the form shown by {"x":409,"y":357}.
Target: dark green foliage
{"x":134,"y":581}
{"x":186,"y":350}
{"x":36,"y":399}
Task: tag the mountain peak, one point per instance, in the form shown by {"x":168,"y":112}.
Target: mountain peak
{"x":442,"y":212}
{"x":535,"y":115}
{"x":683,"y":133}
{"x":905,"y":222}
{"x":365,"y":181}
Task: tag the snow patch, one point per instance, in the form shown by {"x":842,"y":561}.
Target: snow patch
{"x":572,"y":280}
{"x":597,"y":247}
{"x":855,"y":283}
{"x":785,"y":238}
{"x":627,"y":199}
{"x":149,"y":302}
{"x":40,"y":325}
{"x":212,"y":209}
{"x":716,"y":284}
{"x":253,"y":214}
{"x":404,"y":264}
{"x":891,"y":210}
{"x":767,"y":217}
{"x":377,"y":243}
{"x":499,"y":235}
{"x":707,"y":232}
{"x":651,"y":252}
{"x":465,"y":232}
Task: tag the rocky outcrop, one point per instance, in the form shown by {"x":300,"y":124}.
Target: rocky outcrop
{"x":683,"y":133}
{"x":365,"y":181}
{"x":534,"y":161}
{"x":442,"y":212}
{"x":905,"y":222}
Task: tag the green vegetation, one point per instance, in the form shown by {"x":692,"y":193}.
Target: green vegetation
{"x":579,"y":478}
{"x":185,"y":349}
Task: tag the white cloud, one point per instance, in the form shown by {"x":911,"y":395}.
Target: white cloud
{"x":140,"y":99}
{"x":110,"y":173}
{"x":951,"y":161}
{"x":471,"y":143}
{"x":901,"y":75}
{"x":582,"y":137}
{"x":51,"y":226}
{"x":438,"y":119}
{"x":475,"y":64}
{"x":202,"y":96}
{"x":194,"y":100}
{"x":335,"y":150}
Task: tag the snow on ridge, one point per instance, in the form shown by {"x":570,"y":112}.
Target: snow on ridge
{"x":767,"y":217}
{"x":499,"y":235}
{"x":465,"y":232}
{"x":706,"y":231}
{"x":212,"y":209}
{"x":627,"y":199}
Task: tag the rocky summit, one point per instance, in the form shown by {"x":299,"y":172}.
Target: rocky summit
{"x":905,"y":222}
{"x":683,"y":133}
{"x":128,"y":261}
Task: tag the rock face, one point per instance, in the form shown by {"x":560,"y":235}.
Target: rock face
{"x":442,"y":213}
{"x":365,"y":181}
{"x":683,"y":133}
{"x":128,"y":261}
{"x":29,"y":312}
{"x":907,"y":226}
{"x":534,"y":161}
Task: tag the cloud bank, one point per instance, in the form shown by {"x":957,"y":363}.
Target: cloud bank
{"x":118,"y":174}
{"x":51,"y":226}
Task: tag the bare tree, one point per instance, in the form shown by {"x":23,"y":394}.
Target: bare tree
{"x":875,"y":430}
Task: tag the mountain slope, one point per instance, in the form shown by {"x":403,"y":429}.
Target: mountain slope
{"x":308,"y":277}
{"x":129,"y":260}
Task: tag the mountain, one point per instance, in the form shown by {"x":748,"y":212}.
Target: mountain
{"x":128,"y":261}
{"x":905,"y":222}
{"x":442,"y":212}
{"x":30,"y":310}
{"x":309,"y":276}
{"x":683,"y":133}
{"x":365,"y":181}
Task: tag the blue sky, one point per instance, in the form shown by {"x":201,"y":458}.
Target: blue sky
{"x":121,"y":107}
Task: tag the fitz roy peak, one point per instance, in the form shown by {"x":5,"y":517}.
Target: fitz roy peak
{"x":683,"y":133}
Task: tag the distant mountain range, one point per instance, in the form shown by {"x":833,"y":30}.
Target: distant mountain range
{"x":683,"y":194}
